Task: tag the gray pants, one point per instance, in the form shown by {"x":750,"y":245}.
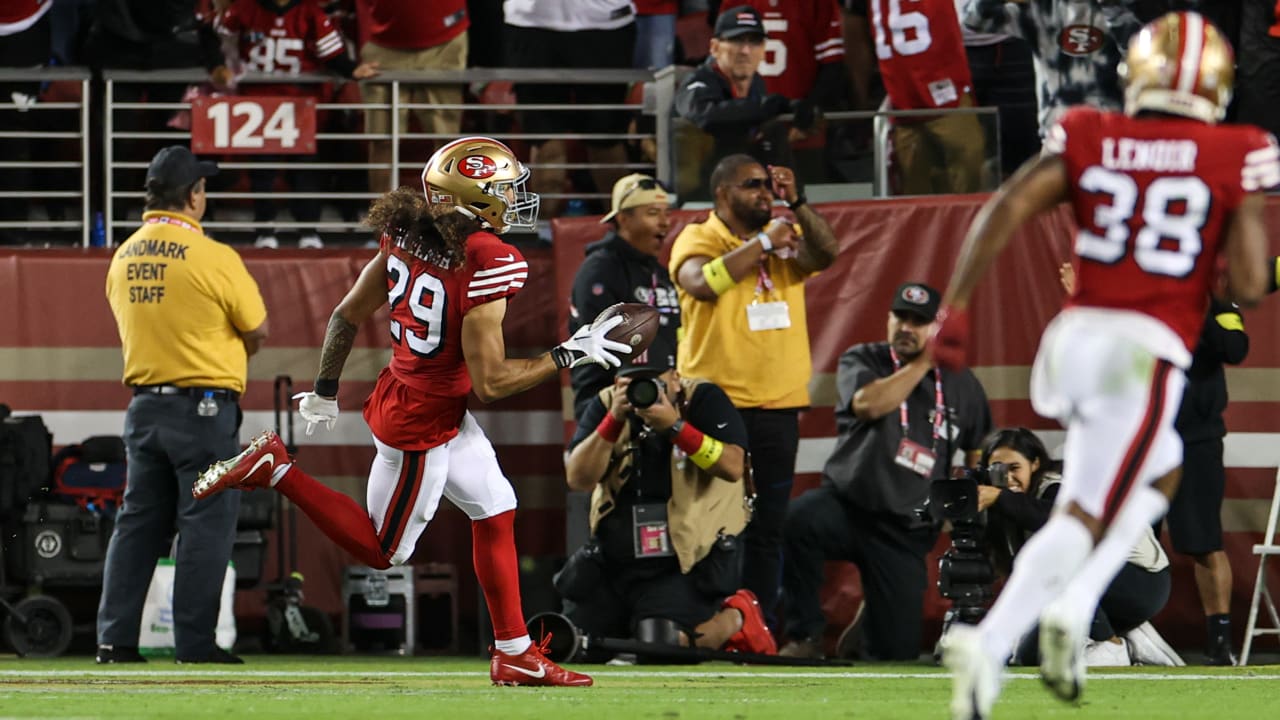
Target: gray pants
{"x":168,"y":446}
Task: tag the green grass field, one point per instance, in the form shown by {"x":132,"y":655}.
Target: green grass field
{"x":456,"y":689}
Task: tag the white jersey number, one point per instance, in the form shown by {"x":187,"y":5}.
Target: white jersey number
{"x":426,"y":304}
{"x":775,"y":51}
{"x":908,"y":32}
{"x":1168,"y":243}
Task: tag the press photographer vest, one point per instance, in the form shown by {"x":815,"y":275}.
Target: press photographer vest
{"x":701,"y":506}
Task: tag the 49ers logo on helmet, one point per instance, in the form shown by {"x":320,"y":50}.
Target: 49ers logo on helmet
{"x":477,"y":167}
{"x":1080,"y":40}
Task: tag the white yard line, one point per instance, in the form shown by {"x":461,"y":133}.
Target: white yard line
{"x":1243,"y":675}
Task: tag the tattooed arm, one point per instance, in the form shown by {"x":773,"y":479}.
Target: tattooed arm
{"x":363,"y":299}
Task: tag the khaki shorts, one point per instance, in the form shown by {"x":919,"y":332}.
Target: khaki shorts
{"x":449,"y":56}
{"x":943,"y":155}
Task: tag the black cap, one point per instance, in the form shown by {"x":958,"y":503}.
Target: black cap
{"x":175,"y":166}
{"x":917,"y":299}
{"x":657,"y":359}
{"x":738,"y":21}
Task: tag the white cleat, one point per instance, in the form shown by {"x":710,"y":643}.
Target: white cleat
{"x":975,"y":677}
{"x":1062,"y":661}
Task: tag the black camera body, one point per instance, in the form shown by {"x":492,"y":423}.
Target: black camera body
{"x":644,"y":392}
{"x":965,"y":573}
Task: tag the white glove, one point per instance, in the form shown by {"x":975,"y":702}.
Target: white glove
{"x":317,"y":410}
{"x":589,"y":345}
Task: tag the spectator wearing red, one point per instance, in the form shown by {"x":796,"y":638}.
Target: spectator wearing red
{"x":804,"y":53}
{"x":923,"y":66}
{"x":413,"y":35}
{"x":284,"y":37}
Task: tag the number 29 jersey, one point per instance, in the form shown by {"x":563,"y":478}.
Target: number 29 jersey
{"x":421,"y":396}
{"x":1151,"y":197}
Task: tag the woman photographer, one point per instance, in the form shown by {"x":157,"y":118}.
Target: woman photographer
{"x":1025,"y":483}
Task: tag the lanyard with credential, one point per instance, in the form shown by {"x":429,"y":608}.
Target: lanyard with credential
{"x":764,"y":285}
{"x":939,"y":410}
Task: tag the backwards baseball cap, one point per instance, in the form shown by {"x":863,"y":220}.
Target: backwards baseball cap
{"x":175,"y":166}
{"x":635,"y":190}
{"x":917,"y":299}
{"x":738,"y":21}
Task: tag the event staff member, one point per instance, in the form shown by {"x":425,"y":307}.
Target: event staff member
{"x":742,"y":303}
{"x":189,"y":316}
{"x":623,"y":267}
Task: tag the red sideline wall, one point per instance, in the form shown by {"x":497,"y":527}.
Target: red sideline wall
{"x":59,"y":356}
{"x":887,"y":242}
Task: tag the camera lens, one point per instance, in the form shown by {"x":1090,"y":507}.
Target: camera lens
{"x":642,"y":393}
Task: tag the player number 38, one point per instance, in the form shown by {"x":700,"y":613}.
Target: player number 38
{"x":1174,"y":210}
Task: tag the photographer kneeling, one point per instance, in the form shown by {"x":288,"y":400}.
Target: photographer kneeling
{"x":665,"y":460}
{"x":1019,"y":500}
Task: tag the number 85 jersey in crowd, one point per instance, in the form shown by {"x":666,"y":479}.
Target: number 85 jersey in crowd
{"x":421,"y":396}
{"x":1152,"y":197}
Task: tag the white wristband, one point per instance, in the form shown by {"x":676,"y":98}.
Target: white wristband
{"x":765,"y":242}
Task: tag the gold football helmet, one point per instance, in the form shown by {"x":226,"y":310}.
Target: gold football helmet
{"x":1179,"y":64}
{"x":482,"y":178}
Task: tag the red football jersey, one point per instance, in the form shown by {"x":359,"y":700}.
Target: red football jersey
{"x":18,"y":15}
{"x":421,"y":395}
{"x":921,"y":52}
{"x":1151,"y":197}
{"x":295,"y":38}
{"x":414,"y":24}
{"x":802,"y":36}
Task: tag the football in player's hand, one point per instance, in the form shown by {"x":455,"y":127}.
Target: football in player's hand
{"x":638,"y":327}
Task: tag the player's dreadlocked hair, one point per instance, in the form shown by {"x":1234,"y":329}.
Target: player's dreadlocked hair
{"x":435,"y":233}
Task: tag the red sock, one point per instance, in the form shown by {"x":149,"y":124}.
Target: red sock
{"x":337,"y":516}
{"x":493,"y":551}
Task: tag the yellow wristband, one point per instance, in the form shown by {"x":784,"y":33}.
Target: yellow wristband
{"x":709,"y":453}
{"x":717,"y":276}
{"x":1230,"y":321}
{"x":1276,"y":270}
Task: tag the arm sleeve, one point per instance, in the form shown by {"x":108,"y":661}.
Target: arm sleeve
{"x":590,"y":419}
{"x":242,"y":299}
{"x":711,"y":412}
{"x":498,"y":271}
{"x":1224,"y":332}
{"x":1261,"y":163}
{"x":704,"y":104}
{"x":327,"y":42}
{"x":1026,"y":511}
{"x":857,"y":368}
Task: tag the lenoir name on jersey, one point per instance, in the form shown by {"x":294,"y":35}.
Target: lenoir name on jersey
{"x":1149,"y":155}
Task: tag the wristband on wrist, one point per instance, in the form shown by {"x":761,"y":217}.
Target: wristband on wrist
{"x":717,"y":276}
{"x":686,"y":437}
{"x":800,"y":200}
{"x":561,"y":357}
{"x":610,"y":428}
{"x":326,"y":387}
{"x":765,"y":242}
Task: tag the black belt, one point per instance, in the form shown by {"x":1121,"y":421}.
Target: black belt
{"x":195,"y":392}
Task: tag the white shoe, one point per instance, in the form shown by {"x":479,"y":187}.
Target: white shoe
{"x":1146,"y":647}
{"x":975,"y":677}
{"x":1104,"y":653}
{"x":310,"y":241}
{"x":1062,"y":640}
{"x":267,"y":241}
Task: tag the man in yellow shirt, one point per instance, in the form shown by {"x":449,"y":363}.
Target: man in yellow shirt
{"x":741,"y":290}
{"x":189,"y":316}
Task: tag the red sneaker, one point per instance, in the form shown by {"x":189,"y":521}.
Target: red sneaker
{"x":532,"y":668}
{"x":754,"y":637}
{"x":249,"y":470}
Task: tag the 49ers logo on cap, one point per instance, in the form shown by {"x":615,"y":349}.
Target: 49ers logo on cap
{"x":477,"y":167}
{"x":1080,"y":40}
{"x":915,"y":295}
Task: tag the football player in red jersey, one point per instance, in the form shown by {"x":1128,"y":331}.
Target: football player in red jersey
{"x":447,"y":276}
{"x":1159,"y":194}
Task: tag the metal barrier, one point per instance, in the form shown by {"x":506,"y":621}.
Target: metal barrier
{"x":128,"y":150}
{"x":25,"y":128}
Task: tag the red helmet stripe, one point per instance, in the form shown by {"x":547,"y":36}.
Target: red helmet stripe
{"x":1191,"y":46}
